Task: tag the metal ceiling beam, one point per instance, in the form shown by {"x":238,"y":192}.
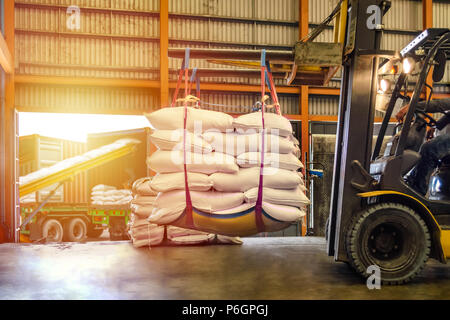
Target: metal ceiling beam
{"x":233,"y":54}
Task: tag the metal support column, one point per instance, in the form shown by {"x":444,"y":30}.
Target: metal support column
{"x":11,"y":219}
{"x":163,"y":49}
{"x":427,"y":18}
{"x":303,"y":25}
{"x":356,"y":117}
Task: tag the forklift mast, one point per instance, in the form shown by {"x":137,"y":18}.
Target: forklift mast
{"x":356,"y":115}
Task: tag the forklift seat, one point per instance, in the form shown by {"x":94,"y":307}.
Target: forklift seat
{"x":409,"y":160}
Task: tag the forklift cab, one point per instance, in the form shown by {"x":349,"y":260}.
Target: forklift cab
{"x":376,"y":218}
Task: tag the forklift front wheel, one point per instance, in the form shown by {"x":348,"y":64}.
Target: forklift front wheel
{"x":392,"y":237}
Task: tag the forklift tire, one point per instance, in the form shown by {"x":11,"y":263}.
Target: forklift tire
{"x":391,"y":236}
{"x":75,"y":230}
{"x":52,"y":231}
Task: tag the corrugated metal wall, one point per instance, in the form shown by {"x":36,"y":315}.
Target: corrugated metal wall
{"x":126,"y":33}
{"x":441,"y":19}
{"x":116,"y":39}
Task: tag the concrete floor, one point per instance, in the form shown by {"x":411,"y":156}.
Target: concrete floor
{"x":262,"y":268}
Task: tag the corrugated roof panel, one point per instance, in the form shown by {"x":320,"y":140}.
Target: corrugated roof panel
{"x":394,"y":41}
{"x":441,"y":14}
{"x":46,"y":98}
{"x":404,"y":15}
{"x":276,"y":35}
{"x":320,"y":9}
{"x":276,"y":10}
{"x":324,"y":105}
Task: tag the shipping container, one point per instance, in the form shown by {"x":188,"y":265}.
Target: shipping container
{"x":37,"y":152}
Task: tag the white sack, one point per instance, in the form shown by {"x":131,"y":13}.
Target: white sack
{"x":248,"y":178}
{"x":172,"y":161}
{"x":228,"y":240}
{"x":143,"y":200}
{"x":272,"y":122}
{"x":164,"y":182}
{"x":208,"y":201}
{"x":173,"y":118}
{"x":173,"y":140}
{"x":174,"y":232}
{"x":294,"y":197}
{"x":142,"y":211}
{"x":142,"y":187}
{"x":193,"y":239}
{"x":166,"y":215}
{"x":235,"y":144}
{"x":275,"y":160}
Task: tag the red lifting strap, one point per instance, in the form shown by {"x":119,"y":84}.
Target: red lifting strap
{"x":185,"y":68}
{"x":258,"y":208}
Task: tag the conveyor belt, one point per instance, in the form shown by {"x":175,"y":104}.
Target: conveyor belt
{"x":71,"y":171}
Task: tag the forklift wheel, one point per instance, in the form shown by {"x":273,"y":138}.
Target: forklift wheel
{"x":391,"y":236}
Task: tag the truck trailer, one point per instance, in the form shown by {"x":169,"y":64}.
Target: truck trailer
{"x":64,"y":211}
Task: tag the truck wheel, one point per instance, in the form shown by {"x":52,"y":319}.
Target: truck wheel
{"x":75,"y":230}
{"x":94,"y":233}
{"x":52,"y":231}
{"x":391,"y":236}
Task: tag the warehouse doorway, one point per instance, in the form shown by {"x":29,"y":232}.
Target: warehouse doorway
{"x":46,"y":139}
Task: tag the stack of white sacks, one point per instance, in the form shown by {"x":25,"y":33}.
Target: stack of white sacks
{"x":103,"y":195}
{"x":144,"y":233}
{"x":223,"y":162}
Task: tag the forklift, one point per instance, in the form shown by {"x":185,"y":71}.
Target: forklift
{"x":376,"y":218}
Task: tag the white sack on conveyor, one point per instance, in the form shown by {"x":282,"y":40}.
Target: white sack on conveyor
{"x":235,"y":144}
{"x":293,"y":197}
{"x":248,"y":178}
{"x":275,"y":160}
{"x":164,"y":182}
{"x":70,"y":162}
{"x":208,"y":201}
{"x":276,"y":211}
{"x":142,"y":187}
{"x":273,"y":123}
{"x":172,"y":161}
{"x":143,"y":200}
{"x":173,"y":140}
{"x":197,"y":120}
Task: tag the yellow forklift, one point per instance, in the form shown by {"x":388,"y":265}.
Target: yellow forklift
{"x":376,"y":217}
